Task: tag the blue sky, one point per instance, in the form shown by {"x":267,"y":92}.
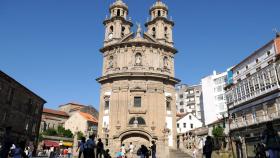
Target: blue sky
{"x":52,"y":46}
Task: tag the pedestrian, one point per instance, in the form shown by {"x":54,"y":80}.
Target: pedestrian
{"x":144,"y":152}
{"x":69,"y":152}
{"x":6,"y":143}
{"x":89,"y":147}
{"x":131,"y":149}
{"x":106,"y":154}
{"x":81,"y":148}
{"x":99,"y":149}
{"x":119,"y":154}
{"x":260,"y":151}
{"x":271,"y":140}
{"x":208,"y":147}
{"x":154,"y":149}
{"x":123,"y":149}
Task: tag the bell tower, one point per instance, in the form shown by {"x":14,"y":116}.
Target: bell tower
{"x":117,"y":26}
{"x":158,"y":25}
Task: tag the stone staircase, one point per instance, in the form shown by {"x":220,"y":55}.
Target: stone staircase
{"x":178,"y":154}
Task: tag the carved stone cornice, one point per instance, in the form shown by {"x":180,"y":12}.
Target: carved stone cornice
{"x":117,"y":18}
{"x":139,"y":44}
{"x":146,"y":75}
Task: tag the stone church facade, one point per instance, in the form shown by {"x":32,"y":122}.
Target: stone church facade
{"x":137,"y":95}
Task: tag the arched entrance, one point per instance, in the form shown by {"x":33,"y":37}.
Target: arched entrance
{"x":136,"y":137}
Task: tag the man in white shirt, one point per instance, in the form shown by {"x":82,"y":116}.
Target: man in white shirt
{"x":131,"y":149}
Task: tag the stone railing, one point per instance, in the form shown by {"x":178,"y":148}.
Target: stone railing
{"x":256,"y":120}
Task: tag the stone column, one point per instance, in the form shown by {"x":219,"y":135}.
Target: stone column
{"x":75,"y":145}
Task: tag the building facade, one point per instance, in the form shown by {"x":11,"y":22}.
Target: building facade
{"x":137,"y":96}
{"x":253,"y":97}
{"x":20,"y":109}
{"x":51,"y":119}
{"x":214,"y":100}
{"x":187,"y":123}
{"x":71,"y":108}
{"x":189,"y":99}
{"x":82,"y":122}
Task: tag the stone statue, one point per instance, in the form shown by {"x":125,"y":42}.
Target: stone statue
{"x":111,"y":62}
{"x":138,"y":59}
{"x":139,"y":30}
{"x":135,"y":122}
{"x":165,"y":62}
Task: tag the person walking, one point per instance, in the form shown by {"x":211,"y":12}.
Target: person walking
{"x":81,"y":148}
{"x":271,"y":140}
{"x":18,"y":152}
{"x":131,"y":149}
{"x":99,"y":149}
{"x":89,"y":147}
{"x":144,"y":151}
{"x":208,"y":147}
{"x":123,"y":149}
{"x":154,"y":149}
{"x":69,"y":153}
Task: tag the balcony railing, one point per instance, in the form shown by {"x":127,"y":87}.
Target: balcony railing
{"x":259,"y":119}
{"x":258,"y":84}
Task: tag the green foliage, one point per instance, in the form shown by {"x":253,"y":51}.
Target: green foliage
{"x":80,"y":135}
{"x":61,"y":131}
{"x":50,"y":132}
{"x":68,"y":133}
{"x":218,"y":132}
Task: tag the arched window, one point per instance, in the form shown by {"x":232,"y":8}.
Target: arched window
{"x":165,"y":32}
{"x":118,"y":12}
{"x":139,"y":120}
{"x":138,"y":59}
{"x":106,"y":103}
{"x":159,"y":13}
{"x":111,"y":29}
{"x":154,"y":32}
{"x":123,"y":29}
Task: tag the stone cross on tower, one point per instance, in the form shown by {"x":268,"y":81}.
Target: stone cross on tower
{"x":138,"y":32}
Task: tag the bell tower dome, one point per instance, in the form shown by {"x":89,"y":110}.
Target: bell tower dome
{"x":158,"y":25}
{"x":117,"y":26}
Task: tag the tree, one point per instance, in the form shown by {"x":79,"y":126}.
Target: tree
{"x":80,"y":135}
{"x":218,"y":132}
{"x":50,"y":132}
{"x":68,"y":133}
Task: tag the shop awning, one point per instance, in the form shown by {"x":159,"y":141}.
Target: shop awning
{"x":49,"y":143}
{"x":70,"y":144}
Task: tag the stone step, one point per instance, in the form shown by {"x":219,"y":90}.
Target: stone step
{"x":178,"y":154}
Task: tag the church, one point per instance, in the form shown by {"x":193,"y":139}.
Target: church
{"x":137,"y":94}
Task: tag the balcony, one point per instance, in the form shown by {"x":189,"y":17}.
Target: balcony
{"x":240,"y":123}
{"x":256,"y":85}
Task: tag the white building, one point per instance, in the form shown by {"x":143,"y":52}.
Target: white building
{"x":187,"y":123}
{"x":82,"y":122}
{"x":214,"y":101}
{"x":189,"y":100}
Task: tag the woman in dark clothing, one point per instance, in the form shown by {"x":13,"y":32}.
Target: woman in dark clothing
{"x":208,"y":147}
{"x":144,"y":152}
{"x":154,"y":149}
